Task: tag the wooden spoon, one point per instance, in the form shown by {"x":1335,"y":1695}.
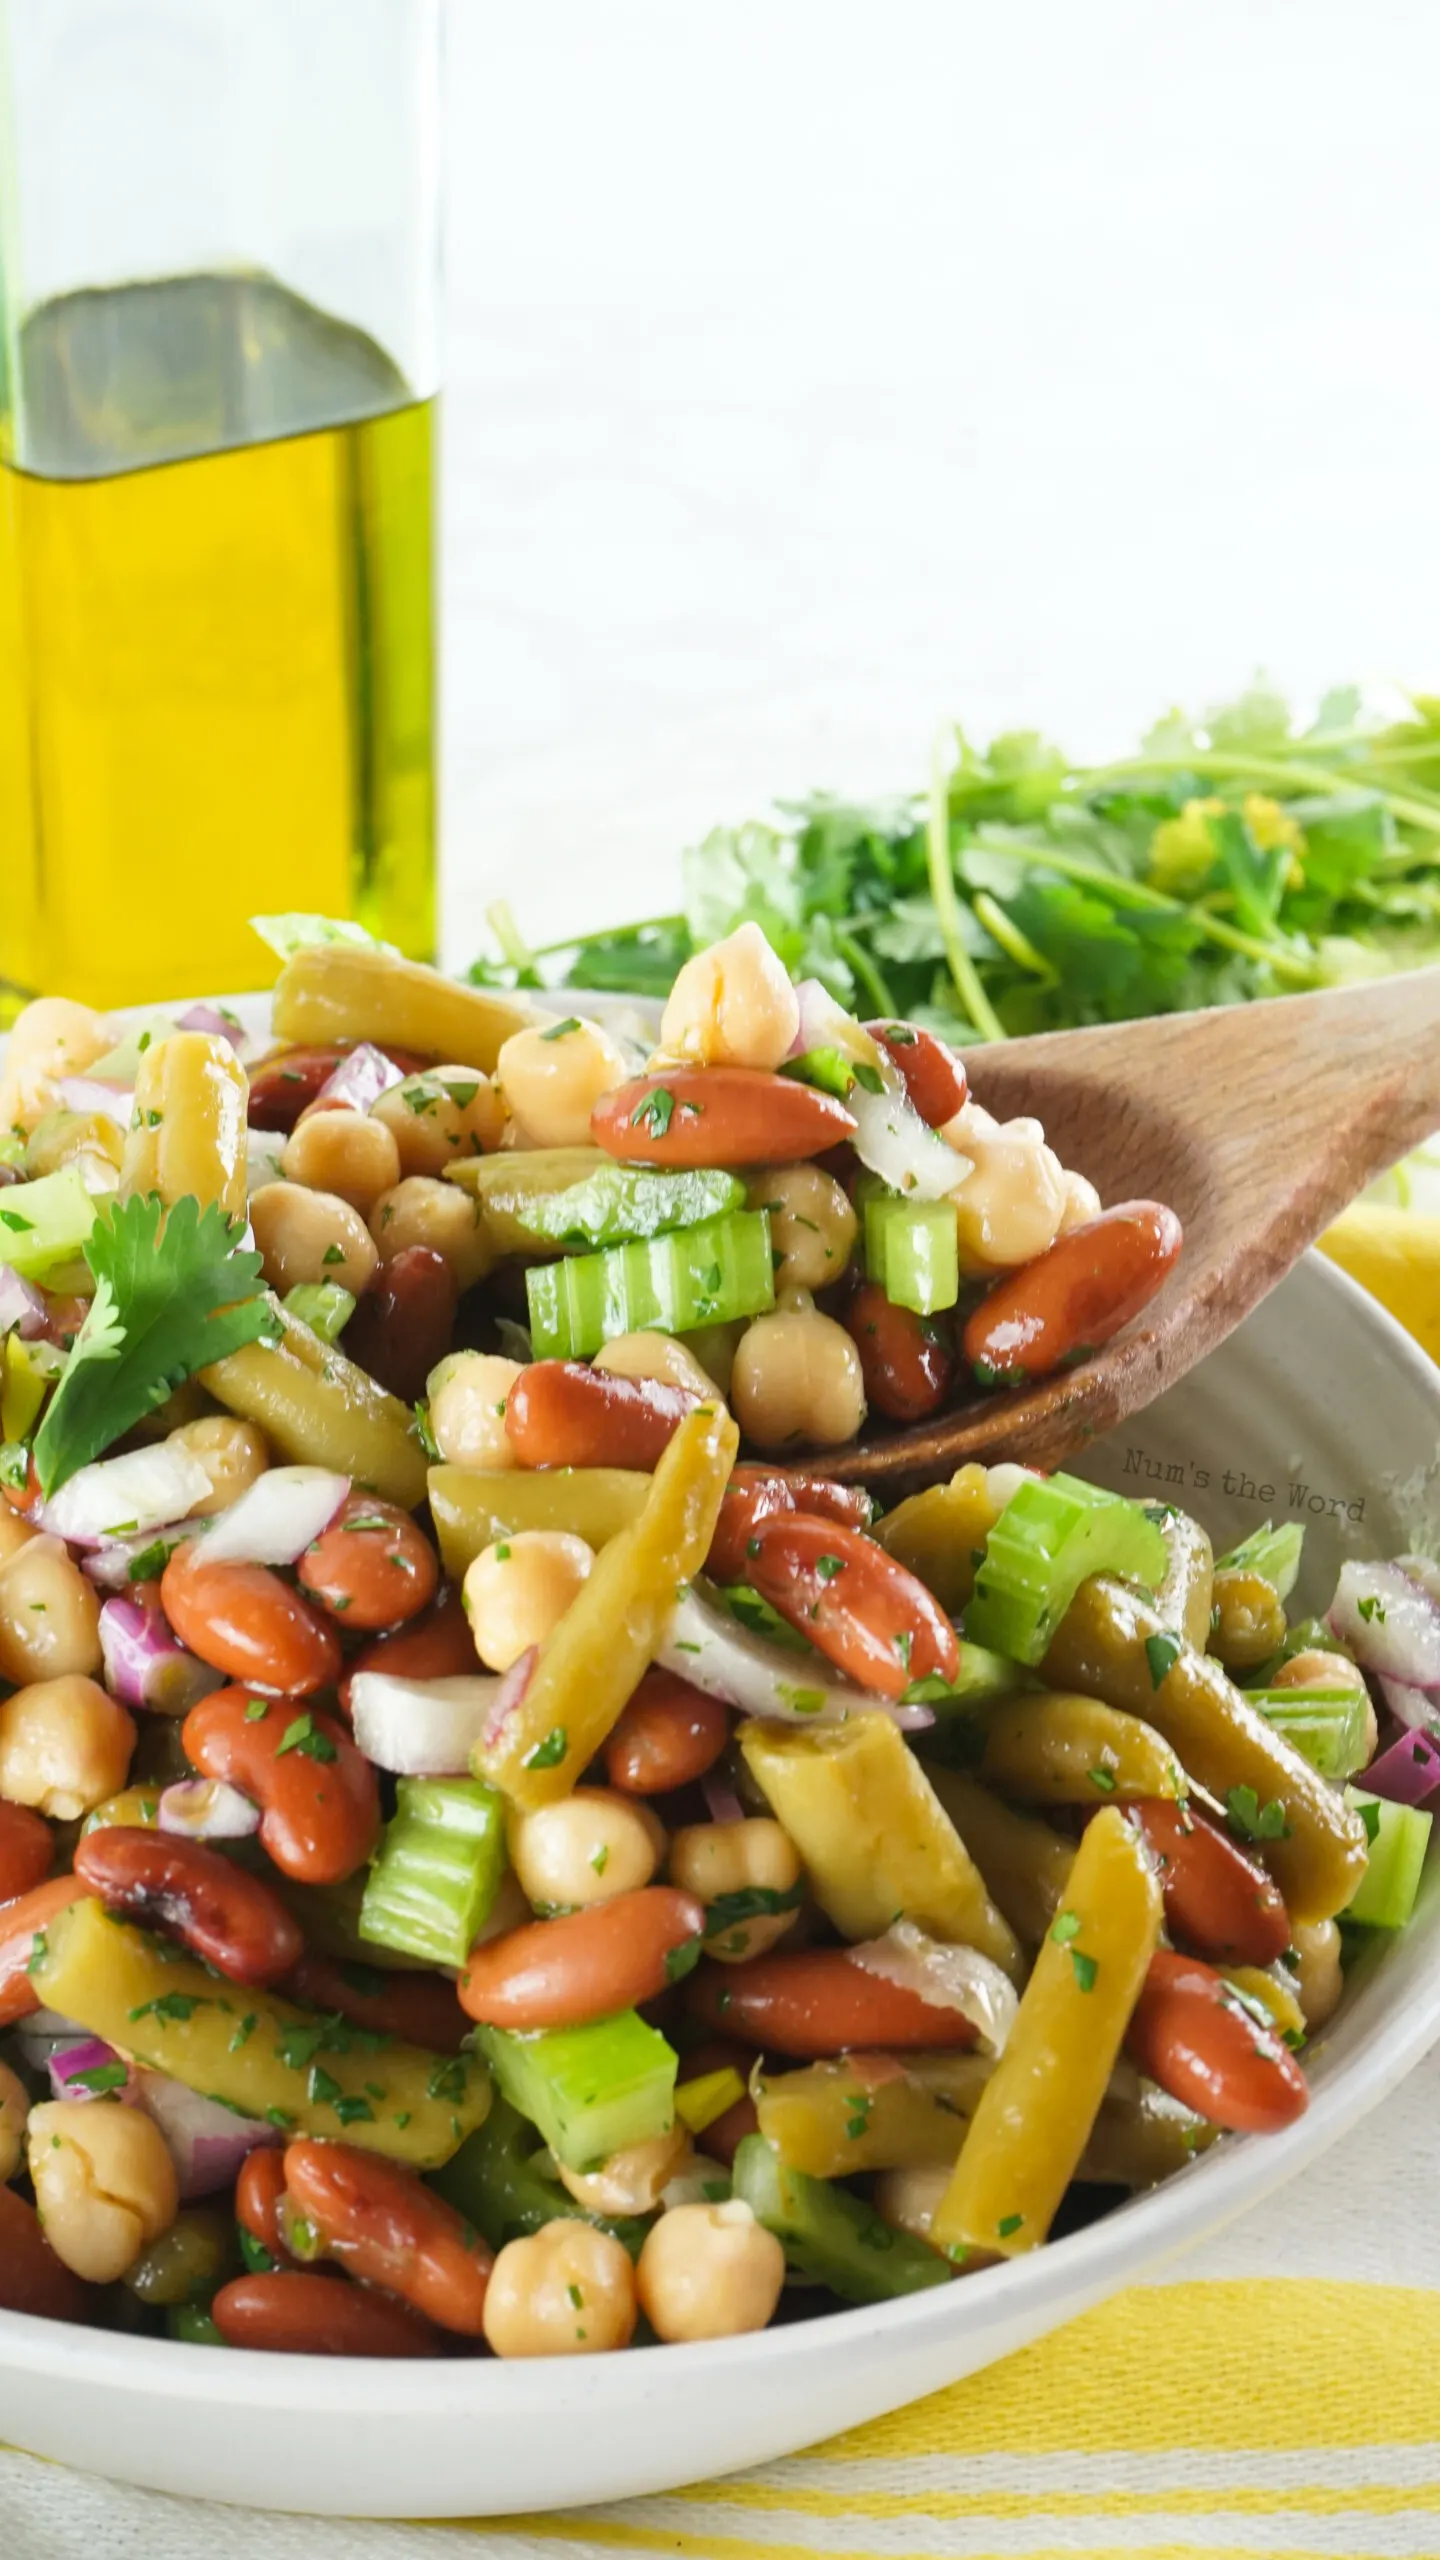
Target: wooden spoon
{"x":1256,"y":1123}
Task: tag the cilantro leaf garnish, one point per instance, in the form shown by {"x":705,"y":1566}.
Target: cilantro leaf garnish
{"x":654,"y":1111}
{"x":173,"y":1292}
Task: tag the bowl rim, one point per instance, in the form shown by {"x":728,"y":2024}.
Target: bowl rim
{"x":1237,"y":2173}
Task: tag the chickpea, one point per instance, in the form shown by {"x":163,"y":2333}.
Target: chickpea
{"x":104,"y":2182}
{"x":437,"y":1118}
{"x":307,"y":1236}
{"x":233,"y":1454}
{"x":633,"y":2180}
{"x":349,"y":1153}
{"x":714,"y":1860}
{"x":52,"y":1037}
{"x":812,"y":1224}
{"x":709,"y":2271}
{"x":907,"y":2198}
{"x":49,"y":1614}
{"x":797,"y":1376}
{"x":1247,"y":1620}
{"x":65,"y":1137}
{"x":590,"y":1846}
{"x":715,"y":1346}
{"x":568,"y":2290}
{"x":437,"y":1214}
{"x":508,"y":1911}
{"x":732,"y":1006}
{"x":468,"y":1392}
{"x":654,"y":1355}
{"x":14,"y":2116}
{"x":518,"y":1590}
{"x":1009,"y":1206}
{"x":65,"y":1746}
{"x":552,"y":1079}
{"x":1318,"y":1979}
{"x":15,"y":1533}
{"x":1082,"y":1203}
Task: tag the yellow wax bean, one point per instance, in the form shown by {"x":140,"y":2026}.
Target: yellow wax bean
{"x":1036,"y":2113}
{"x":873,"y":1835}
{"x":336,"y":991}
{"x":1183,"y":1599}
{"x":613,"y":1628}
{"x":317,"y":1409}
{"x":473,"y":1506}
{"x":1100,"y":1647}
{"x":936,"y":1534}
{"x":253,"y":2050}
{"x":1025,"y":1864}
{"x":1054,"y":1748}
{"x":187,"y":1132}
{"x":835,"y":2119}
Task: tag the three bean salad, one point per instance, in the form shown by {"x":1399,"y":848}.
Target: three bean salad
{"x":491,"y":1858}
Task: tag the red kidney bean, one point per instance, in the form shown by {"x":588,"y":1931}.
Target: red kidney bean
{"x":403,"y":1323}
{"x":283,"y":1086}
{"x":420,"y":2008}
{"x":1071,"y":1299}
{"x":849,"y":1504}
{"x":561,"y":1414}
{"x":259,"y":2190}
{"x":717,"y":1115}
{"x":379,"y":2222}
{"x":243,"y":1620}
{"x":27,"y":1849}
{"x":319,"y":1803}
{"x":31,"y":2276}
{"x":304,"y":2314}
{"x":935,"y":1078}
{"x":669,"y":1735}
{"x":873,"y":1618}
{"x":1218,"y":1902}
{"x":760,"y":1493}
{"x":906,"y":1360}
{"x":372,"y":1567}
{"x":1193,"y":2034}
{"x":561,"y":1973}
{"x":183,"y":1889}
{"x":21,"y":1922}
{"x":437,"y":1645}
{"x":816,"y":2002}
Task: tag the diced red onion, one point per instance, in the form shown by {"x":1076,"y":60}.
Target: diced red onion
{"x":721,"y":1801}
{"x":1418,"y":1709}
{"x":207,"y":1809}
{"x":421,"y":1728}
{"x":110,"y":1566}
{"x":707,"y":1646}
{"x":825,"y":1024}
{"x":1424,"y":1570}
{"x":1407,"y":1772}
{"x":123,"y":1497}
{"x":216,"y":1022}
{"x":66,"y":2062}
{"x":512,"y":1688}
{"x":263,"y":1151}
{"x":96,"y":1099}
{"x":364,"y":1073}
{"x":278,"y":1516}
{"x":1388,"y":1623}
{"x":146,"y":1665}
{"x":945,"y":1978}
{"x":206,"y":2142}
{"x":22,"y":1308}
{"x":45,"y":2031}
{"x":892,"y":1140}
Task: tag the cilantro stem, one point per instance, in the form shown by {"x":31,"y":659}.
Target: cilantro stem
{"x":972,"y":995}
{"x":1133,"y":893}
{"x":865,"y":969}
{"x":1004,"y":930}
{"x":512,"y":941}
{"x":603,"y":933}
{"x":1225,"y":766}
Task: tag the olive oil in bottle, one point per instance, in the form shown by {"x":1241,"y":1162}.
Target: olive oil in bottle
{"x":216,"y":649}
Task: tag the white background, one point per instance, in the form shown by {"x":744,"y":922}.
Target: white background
{"x":819,"y":367}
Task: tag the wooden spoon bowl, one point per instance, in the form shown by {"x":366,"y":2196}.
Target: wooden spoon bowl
{"x":1255,"y":1123}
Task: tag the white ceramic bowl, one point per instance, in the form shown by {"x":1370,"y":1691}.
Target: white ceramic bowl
{"x":1320,"y":1390}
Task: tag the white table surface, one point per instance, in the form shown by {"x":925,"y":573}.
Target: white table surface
{"x":820,"y":367}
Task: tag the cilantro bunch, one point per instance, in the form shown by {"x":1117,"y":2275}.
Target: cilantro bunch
{"x":1232,"y":857}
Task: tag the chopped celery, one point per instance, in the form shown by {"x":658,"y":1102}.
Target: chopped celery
{"x":829,"y":2233}
{"x":437,"y":1870}
{"x":703,"y":1275}
{"x":1272,"y":1553}
{"x":322,"y":1304}
{"x":1398,"y":1836}
{"x":911,"y":1248}
{"x":829,"y":1070}
{"x":1329,"y":1727}
{"x":1051,"y":1537}
{"x":590,"y":2090}
{"x":626,"y":1204}
{"x":44,"y":1223}
{"x":494,"y":2180}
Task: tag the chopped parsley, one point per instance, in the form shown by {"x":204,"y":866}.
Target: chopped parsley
{"x":1251,"y":1819}
{"x":1371,"y":1608}
{"x":562,"y":1030}
{"x":102,"y":2076}
{"x":305,"y":1735}
{"x":1008,"y":2225}
{"x":1162,"y":1652}
{"x":1104,"y":1779}
{"x":1086,"y":1969}
{"x":1066,"y":1927}
{"x":173,"y":2008}
{"x":682,"y":1959}
{"x":828,"y":1566}
{"x":256,"y":1710}
{"x":549,"y":1753}
{"x":654,"y":1111}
